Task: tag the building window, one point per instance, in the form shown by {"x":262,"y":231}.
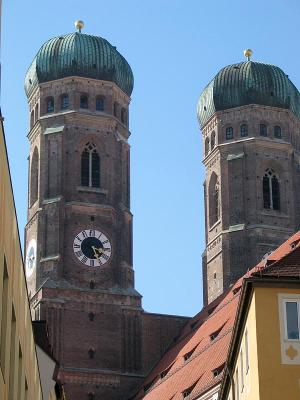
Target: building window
{"x":31,"y":118}
{"x":90,"y":166}
{"x":213,"y":140}
{"x":91,"y":396}
{"x":64,"y":102}
{"x":34,"y":177}
{"x":91,"y":353}
{"x":277,"y":132}
{"x":263,"y":131}
{"x":214,"y":199}
{"x":291,"y":314}
{"x":99,"y":103}
{"x":116,"y":107}
{"x":206,"y":146}
{"x":50,"y":104}
{"x":229,"y":133}
{"x":246,"y":351}
{"x":123,"y":116}
{"x":271,"y":190}
{"x":91,"y":316}
{"x":36,"y":112}
{"x":244,"y":130}
{"x":84,"y":101}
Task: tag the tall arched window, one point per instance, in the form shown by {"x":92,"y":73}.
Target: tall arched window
{"x":31,"y":118}
{"x":34,"y":177}
{"x":99,"y":103}
{"x":36,"y":112}
{"x":123,"y":116}
{"x":116,"y":108}
{"x":214,"y":199}
{"x":244,"y":130}
{"x":263,"y":130}
{"x":84,"y":101}
{"x":271,"y":190}
{"x":49,"y":104}
{"x":64,"y":101}
{"x":206,"y":146}
{"x":277,"y":132}
{"x":90,"y":166}
{"x":213,"y":140}
{"x":229,"y":133}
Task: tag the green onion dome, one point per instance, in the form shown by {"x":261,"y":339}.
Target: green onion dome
{"x":248,"y":83}
{"x":78,"y":54}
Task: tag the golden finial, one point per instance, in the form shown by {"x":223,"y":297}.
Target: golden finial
{"x":79,"y":25}
{"x":248,"y":53}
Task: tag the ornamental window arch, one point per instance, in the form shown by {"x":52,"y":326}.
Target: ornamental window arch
{"x":271,"y":190}
{"x":206,"y":146}
{"x":34,"y":176}
{"x":213,"y":199}
{"x":213,"y":140}
{"x":90,"y":166}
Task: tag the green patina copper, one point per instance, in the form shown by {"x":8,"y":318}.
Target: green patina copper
{"x":248,"y":83}
{"x":77,"y":54}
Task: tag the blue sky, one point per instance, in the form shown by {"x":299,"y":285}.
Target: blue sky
{"x":174,"y":48}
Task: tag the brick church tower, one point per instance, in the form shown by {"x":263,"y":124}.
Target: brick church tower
{"x":79,"y":231}
{"x":249,"y":117}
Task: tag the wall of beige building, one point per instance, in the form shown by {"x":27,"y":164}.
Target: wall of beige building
{"x":19,"y":371}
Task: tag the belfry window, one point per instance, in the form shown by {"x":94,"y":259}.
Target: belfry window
{"x":34,"y":177}
{"x":84,"y":101}
{"x":64,"y":102}
{"x":50,"y":104}
{"x":36,"y":112}
{"x":229,"y":133}
{"x":116,"y":108}
{"x":277,"y":132}
{"x":90,"y":166}
{"x":271,"y":190}
{"x":244,"y":130}
{"x":213,"y":140}
{"x":214,"y":200}
{"x":263,"y":130}
{"x":123,"y":116}
{"x":31,"y":118}
{"x":206,"y":146}
{"x":99,"y":103}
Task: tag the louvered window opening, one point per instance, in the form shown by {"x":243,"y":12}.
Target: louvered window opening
{"x":84,"y":101}
{"x":50,"y":105}
{"x":277,"y":132}
{"x":263,"y":130}
{"x":64,"y":102}
{"x":244,"y":130}
{"x":229,"y":133}
{"x":90,"y":166}
{"x":271,"y":190}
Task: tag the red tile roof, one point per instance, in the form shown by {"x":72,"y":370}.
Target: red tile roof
{"x":194,"y":360}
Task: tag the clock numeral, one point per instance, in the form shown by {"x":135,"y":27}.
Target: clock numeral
{"x":92,"y":233}
{"x":105,"y":256}
{"x":84,"y":234}
{"x":78,"y":238}
{"x":106,"y":248}
{"x":84,"y":259}
{"x":77,"y":246}
{"x":105,"y":241}
{"x":92,"y":263}
{"x":79,"y":253}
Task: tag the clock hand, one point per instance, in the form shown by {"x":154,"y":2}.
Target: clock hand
{"x":97,"y":251}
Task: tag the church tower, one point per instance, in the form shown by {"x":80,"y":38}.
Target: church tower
{"x":249,"y":115}
{"x":79,"y":232}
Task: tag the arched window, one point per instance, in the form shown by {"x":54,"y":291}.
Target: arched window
{"x":244,"y":130}
{"x":277,"y":132}
{"x":206,"y":146}
{"x":31,"y":118}
{"x":90,"y":166}
{"x":271,"y":190}
{"x":64,"y":101}
{"x":229,"y":133}
{"x":36,"y":112}
{"x":84,"y":101}
{"x":123,"y":116}
{"x":263,"y":130}
{"x":213,"y":140}
{"x":49,"y":104}
{"x":99,"y":103}
{"x":116,"y":108}
{"x":214,"y":199}
{"x":34,"y":177}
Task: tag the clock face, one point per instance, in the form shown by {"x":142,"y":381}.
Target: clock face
{"x":92,"y":248}
{"x":30,"y":261}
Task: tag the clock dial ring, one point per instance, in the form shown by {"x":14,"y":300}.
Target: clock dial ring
{"x":92,"y":248}
{"x":30,"y":262}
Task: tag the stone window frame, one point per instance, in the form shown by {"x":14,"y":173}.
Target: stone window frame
{"x":229,"y":133}
{"x":277,"y":131}
{"x":263,"y":129}
{"x":206,"y":146}
{"x":97,"y":103}
{"x":244,"y":129}
{"x":34,"y":177}
{"x":64,"y":105}
{"x":90,"y":148}
{"x":84,"y":105}
{"x":270,"y":198}
{"x":213,"y":199}
{"x":49,"y":104}
{"x":213,"y":140}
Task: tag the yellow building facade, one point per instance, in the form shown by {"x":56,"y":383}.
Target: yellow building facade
{"x":19,"y":371}
{"x":264,"y":357}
